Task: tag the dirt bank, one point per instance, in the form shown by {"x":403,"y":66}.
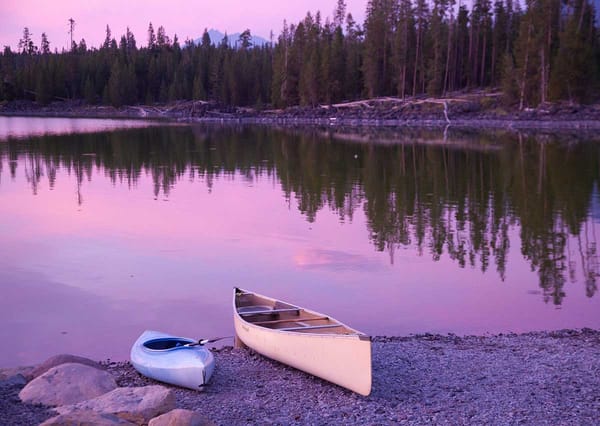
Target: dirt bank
{"x":463,"y":111}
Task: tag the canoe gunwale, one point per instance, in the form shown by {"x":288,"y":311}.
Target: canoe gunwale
{"x":352,"y":333}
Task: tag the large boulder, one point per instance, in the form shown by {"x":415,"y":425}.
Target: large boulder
{"x":80,"y":418}
{"x":137,"y":405}
{"x":180,"y":417}
{"x":61,"y":359}
{"x":67,"y":384}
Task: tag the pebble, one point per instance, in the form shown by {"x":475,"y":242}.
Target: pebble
{"x":471,"y":380}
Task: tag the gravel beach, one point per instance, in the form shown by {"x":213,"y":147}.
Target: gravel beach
{"x":533,"y":378}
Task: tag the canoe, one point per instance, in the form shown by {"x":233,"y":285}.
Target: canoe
{"x":165,"y":358}
{"x":303,"y":339}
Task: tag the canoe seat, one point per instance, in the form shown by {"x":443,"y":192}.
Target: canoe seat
{"x":269,"y":311}
{"x":309,"y":327}
{"x":295,"y":319}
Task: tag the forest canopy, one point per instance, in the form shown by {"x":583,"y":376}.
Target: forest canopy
{"x":536,"y":52}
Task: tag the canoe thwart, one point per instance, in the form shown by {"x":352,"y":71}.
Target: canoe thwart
{"x":309,"y":327}
{"x":269,"y":311}
{"x":297,"y":319}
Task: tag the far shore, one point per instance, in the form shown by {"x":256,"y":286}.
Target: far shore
{"x":533,"y":378}
{"x":468,"y":111}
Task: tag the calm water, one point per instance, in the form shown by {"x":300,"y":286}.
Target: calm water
{"x":117,"y":229}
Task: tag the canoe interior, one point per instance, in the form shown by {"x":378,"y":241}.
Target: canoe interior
{"x":277,"y":315}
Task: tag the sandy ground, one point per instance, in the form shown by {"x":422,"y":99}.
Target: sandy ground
{"x":534,"y":378}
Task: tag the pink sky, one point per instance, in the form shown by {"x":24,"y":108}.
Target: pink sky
{"x":187,"y":19}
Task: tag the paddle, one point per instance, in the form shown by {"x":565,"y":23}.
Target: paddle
{"x":203,"y":342}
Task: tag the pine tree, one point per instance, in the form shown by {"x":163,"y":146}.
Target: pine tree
{"x":89,"y":92}
{"x":379,"y":30}
{"x":45,"y":45}
{"x":42,"y":88}
{"x":573,"y":73}
{"x":353,"y":83}
{"x":280,"y":57}
{"x":421,"y":16}
{"x":26,"y":45}
{"x":437,"y":61}
{"x":338,"y":65}
{"x":403,"y":48}
{"x":199,"y":91}
{"x":151,"y":37}
{"x":107,"y":39}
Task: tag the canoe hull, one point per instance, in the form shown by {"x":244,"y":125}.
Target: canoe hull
{"x":341,"y":359}
{"x":188,"y":367}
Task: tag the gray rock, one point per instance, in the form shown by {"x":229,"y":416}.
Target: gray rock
{"x":180,"y":417}
{"x":58,"y":360}
{"x":8,"y":373}
{"x":80,"y":418}
{"x":16,"y":380}
{"x":67,"y":384}
{"x":137,"y":405}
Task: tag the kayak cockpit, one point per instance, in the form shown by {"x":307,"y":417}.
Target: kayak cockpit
{"x":166,"y":343}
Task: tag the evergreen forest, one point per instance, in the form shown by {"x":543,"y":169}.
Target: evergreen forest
{"x":532,"y":53}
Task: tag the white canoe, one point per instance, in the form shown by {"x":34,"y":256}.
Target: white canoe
{"x":307,"y":340}
{"x":163,"y":357}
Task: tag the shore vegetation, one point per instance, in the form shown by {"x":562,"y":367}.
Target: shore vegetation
{"x":544,"y":51}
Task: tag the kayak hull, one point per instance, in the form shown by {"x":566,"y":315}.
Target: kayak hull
{"x":164,"y":357}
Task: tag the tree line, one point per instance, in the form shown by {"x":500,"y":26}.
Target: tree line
{"x":543,"y":50}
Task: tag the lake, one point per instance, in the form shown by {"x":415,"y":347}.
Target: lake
{"x":111,"y":227}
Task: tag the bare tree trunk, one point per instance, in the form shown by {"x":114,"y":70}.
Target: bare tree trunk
{"x":470,"y":77}
{"x":525,"y":65}
{"x":580,"y":23}
{"x":383,"y":84}
{"x":493,"y":66}
{"x":543,"y":75}
{"x":284,"y":84}
{"x":450,"y":27}
{"x":483,"y":52}
{"x":404,"y":64}
{"x":417,"y":61}
{"x":545,"y":60}
{"x":422,"y":74}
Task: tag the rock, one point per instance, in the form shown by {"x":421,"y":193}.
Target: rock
{"x":8,"y":373}
{"x":16,"y":380}
{"x":79,"y":418}
{"x":61,"y":359}
{"x":137,"y":405}
{"x":180,"y":417}
{"x":67,"y":384}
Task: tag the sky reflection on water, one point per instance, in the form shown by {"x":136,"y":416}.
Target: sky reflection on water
{"x":24,"y":127}
{"x":155,"y":229}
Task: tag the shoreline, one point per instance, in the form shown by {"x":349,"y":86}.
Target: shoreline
{"x":537,"y":377}
{"x":377,"y":113}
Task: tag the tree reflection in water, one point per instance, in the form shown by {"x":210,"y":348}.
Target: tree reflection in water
{"x":438,"y":192}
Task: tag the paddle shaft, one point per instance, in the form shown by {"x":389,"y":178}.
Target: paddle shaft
{"x":203,"y":342}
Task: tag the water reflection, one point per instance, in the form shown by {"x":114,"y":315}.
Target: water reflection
{"x":461,"y":194}
{"x":110,"y":233}
{"x":25,"y":127}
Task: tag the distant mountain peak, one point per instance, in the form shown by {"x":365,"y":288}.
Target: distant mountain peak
{"x":217,"y":36}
